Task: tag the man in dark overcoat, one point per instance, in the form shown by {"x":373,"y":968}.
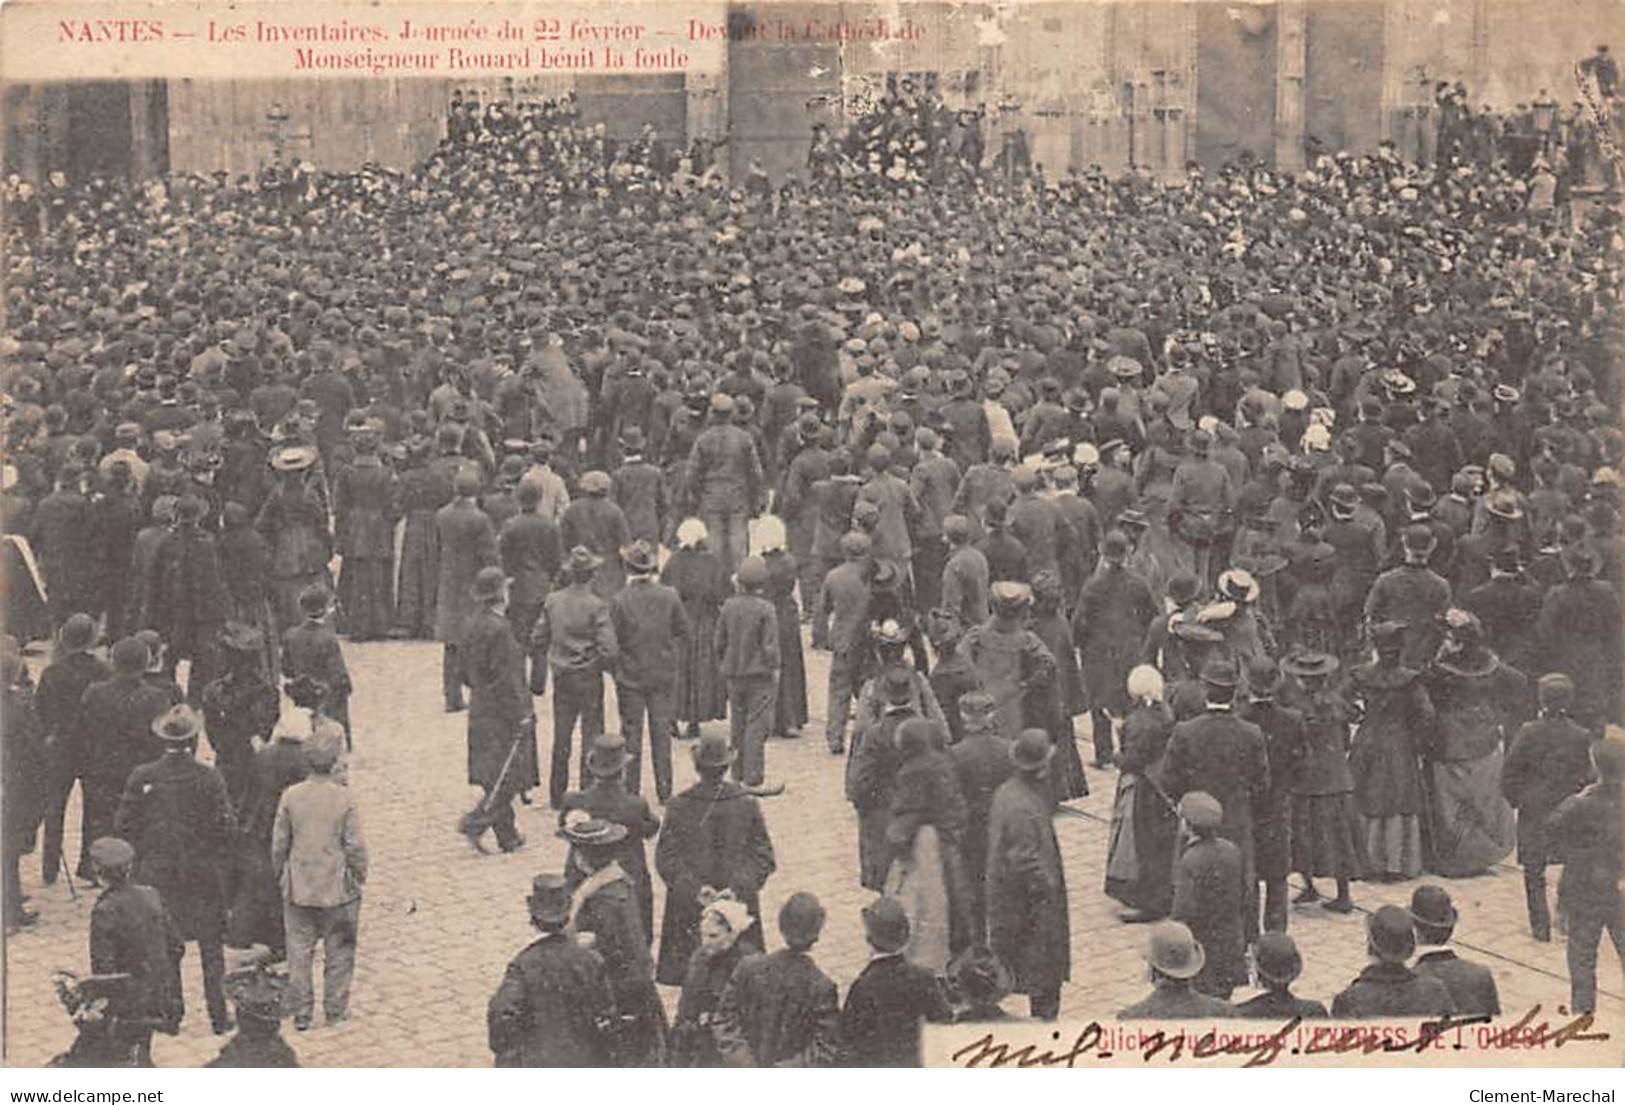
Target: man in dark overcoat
{"x":981,"y":761}
{"x":62,"y":686}
{"x":1285,"y":750}
{"x":651,"y":629}
{"x":1027,"y":921}
{"x":62,"y":534}
{"x":595,"y":522}
{"x":606,"y":798}
{"x":1227,"y":757}
{"x":1549,"y":760}
{"x":176,"y":815}
{"x":500,"y":711}
{"x":115,"y":726}
{"x":25,"y":776}
{"x":238,"y":707}
{"x":1209,"y":896}
{"x":366,"y":498}
{"x":713,"y":837}
{"x":779,"y":1009}
{"x":1413,"y":595}
{"x":531,"y":552}
{"x":554,"y":1007}
{"x":467,"y":542}
{"x":1386,"y":987}
{"x":186,"y":597}
{"x":1114,"y":611}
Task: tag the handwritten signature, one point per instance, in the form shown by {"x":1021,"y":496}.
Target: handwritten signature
{"x":1295,"y":1037}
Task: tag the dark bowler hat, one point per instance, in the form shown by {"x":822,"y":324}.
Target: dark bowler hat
{"x":1173,"y":951}
{"x":313,"y":600}
{"x":549,"y":899}
{"x":130,"y":655}
{"x":1431,"y":906}
{"x":713,"y":750}
{"x":608,"y":757}
{"x":1390,"y":934}
{"x":489,"y":583}
{"x":1277,"y":958}
{"x":1031,"y":751}
{"x":1220,"y":672}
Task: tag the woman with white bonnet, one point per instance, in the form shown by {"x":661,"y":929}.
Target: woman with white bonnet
{"x":722,"y":921}
{"x":701,"y":580}
{"x":790,"y":710}
{"x":1144,"y":828}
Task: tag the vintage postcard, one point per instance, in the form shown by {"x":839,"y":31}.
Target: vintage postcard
{"x":721,"y":534}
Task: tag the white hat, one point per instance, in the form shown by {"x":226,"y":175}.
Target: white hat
{"x":690,"y":532}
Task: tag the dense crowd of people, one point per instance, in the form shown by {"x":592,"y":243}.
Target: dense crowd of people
{"x":1304,"y":487}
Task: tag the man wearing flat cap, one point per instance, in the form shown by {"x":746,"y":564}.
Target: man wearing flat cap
{"x":133,"y":933}
{"x":1210,"y":895}
{"x":554,"y":1007}
{"x":724,"y":482}
{"x":176,"y":815}
{"x":1225,"y":756}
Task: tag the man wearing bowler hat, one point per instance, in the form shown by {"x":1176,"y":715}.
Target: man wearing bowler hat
{"x":574,"y":638}
{"x":554,"y":1007}
{"x":467,"y":542}
{"x":176,"y":815}
{"x":713,"y":838}
{"x":56,"y":702}
{"x":1227,"y":757}
{"x":1386,"y":987}
{"x":880,"y":1022}
{"x":1277,"y":963}
{"x":1027,"y":919}
{"x":1174,"y":959}
{"x":606,"y":797}
{"x":779,"y":1009}
{"x":651,"y":630}
{"x":1471,"y":986}
{"x":1413,"y":595}
{"x":501,"y":716}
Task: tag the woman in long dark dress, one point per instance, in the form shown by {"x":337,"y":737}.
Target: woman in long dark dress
{"x":702,"y":582}
{"x":790,"y":711}
{"x":1145,"y":828}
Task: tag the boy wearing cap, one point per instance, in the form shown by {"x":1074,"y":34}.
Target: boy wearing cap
{"x":1210,"y":896}
{"x":176,"y":815}
{"x":1471,"y":986}
{"x":880,"y":1022}
{"x":311,"y":650}
{"x":1585,"y":831}
{"x":747,"y":645}
{"x":1277,"y":963}
{"x":1550,"y":759}
{"x":320,"y":857}
{"x":1386,"y":987}
{"x":779,"y":1009}
{"x":131,"y":932}
{"x":554,"y":1007}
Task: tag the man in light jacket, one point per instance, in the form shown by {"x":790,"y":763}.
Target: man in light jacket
{"x":321,"y":862}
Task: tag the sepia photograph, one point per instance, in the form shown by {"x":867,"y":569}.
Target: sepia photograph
{"x":803,"y":533}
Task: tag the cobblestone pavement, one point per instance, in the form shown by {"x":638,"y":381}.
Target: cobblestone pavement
{"x":439,"y":922}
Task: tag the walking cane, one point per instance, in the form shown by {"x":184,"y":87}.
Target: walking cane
{"x":474,"y":823}
{"x":73,"y":891}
